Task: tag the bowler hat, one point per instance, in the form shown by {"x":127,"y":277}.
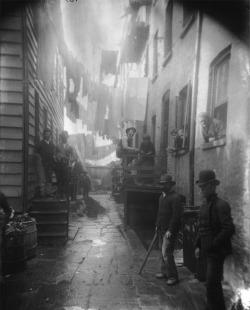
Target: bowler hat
{"x":131,"y":128}
{"x":166,"y":178}
{"x":207,"y":176}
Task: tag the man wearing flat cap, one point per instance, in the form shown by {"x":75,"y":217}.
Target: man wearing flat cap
{"x":124,"y":147}
{"x":168,"y":224}
{"x":213,"y":242}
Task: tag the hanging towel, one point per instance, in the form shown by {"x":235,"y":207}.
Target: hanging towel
{"x":136,"y":99}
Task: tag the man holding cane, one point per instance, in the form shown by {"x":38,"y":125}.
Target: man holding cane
{"x":168,"y":225}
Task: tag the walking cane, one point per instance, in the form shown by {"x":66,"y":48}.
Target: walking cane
{"x":148,"y":252}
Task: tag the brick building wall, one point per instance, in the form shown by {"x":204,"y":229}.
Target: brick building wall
{"x":230,"y":161}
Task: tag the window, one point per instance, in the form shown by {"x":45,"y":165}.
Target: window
{"x":187,"y":14}
{"x":183,"y":114}
{"x":146,"y":63}
{"x":168,"y":28}
{"x":52,"y":130}
{"x":153,"y":128}
{"x":219,"y":74}
{"x":37,"y":113}
{"x":165,"y":119}
{"x":155,"y":55}
{"x":45,"y":118}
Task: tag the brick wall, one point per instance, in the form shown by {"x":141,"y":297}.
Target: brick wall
{"x":230,"y":162}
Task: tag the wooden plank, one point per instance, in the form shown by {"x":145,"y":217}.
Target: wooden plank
{"x":30,"y":26}
{"x":11,"y":168}
{"x":31,"y":130}
{"x":11,"y":97}
{"x":11,"y":121}
{"x":31,"y":52}
{"x":8,"y":85}
{"x":11,"y":145}
{"x":32,"y":109}
{"x":10,"y":36}
{"x":31,"y":75}
{"x":11,"y":73}
{"x":11,"y":49}
{"x":11,"y":109}
{"x":32,"y":68}
{"x":32,"y":47}
{"x":30,"y":12}
{"x":11,"y":22}
{"x":11,"y":156}
{"x":31,"y":119}
{"x":11,"y":61}
{"x":11,"y":180}
{"x":11,"y":133}
{"x":12,"y":191}
{"x":32,"y":92}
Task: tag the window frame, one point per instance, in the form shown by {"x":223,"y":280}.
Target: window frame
{"x":153,"y":122}
{"x":222,"y":58}
{"x":45,"y":118}
{"x":165,"y":119}
{"x":155,"y":55}
{"x":168,"y":31}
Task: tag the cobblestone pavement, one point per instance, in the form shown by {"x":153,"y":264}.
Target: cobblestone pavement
{"x":98,"y":269}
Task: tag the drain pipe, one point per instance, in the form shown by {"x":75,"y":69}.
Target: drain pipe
{"x":194,"y":108}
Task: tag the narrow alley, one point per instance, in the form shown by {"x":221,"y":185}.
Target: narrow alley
{"x":98,"y":269}
{"x":123,"y":122}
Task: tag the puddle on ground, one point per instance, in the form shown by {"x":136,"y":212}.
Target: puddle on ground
{"x":98,"y":242}
{"x":73,"y":308}
{"x":78,"y":308}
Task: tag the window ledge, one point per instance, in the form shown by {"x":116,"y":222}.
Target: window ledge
{"x":187,"y":26}
{"x":167,"y":58}
{"x":177,"y":152}
{"x":154,"y":78}
{"x":180,"y":152}
{"x":213,"y":144}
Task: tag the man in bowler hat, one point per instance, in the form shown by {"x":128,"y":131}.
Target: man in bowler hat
{"x":168,"y":224}
{"x":213,"y":243}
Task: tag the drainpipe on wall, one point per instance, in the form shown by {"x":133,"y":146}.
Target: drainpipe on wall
{"x":194,"y":108}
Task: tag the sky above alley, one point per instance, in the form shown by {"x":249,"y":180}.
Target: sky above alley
{"x":98,"y":22}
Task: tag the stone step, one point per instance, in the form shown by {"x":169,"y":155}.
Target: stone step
{"x":46,"y":238}
{"x":49,"y":215}
{"x":52,"y":227}
{"x":49,"y":204}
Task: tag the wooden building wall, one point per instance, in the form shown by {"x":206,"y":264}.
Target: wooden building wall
{"x":24,"y":103}
{"x":45,"y":107}
{"x":11,"y":108}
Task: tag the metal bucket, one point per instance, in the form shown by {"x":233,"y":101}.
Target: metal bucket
{"x":31,"y":238}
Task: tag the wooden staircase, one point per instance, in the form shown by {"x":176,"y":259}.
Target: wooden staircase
{"x":52,"y":220}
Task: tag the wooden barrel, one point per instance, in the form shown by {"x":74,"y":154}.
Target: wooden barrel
{"x":31,"y":237}
{"x":14,"y":252}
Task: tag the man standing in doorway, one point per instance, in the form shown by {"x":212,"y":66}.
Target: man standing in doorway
{"x":168,"y":225}
{"x":46,"y":150}
{"x":214,"y":237}
{"x":64,"y":159}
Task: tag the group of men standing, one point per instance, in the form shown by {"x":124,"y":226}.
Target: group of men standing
{"x":51,"y":157}
{"x":215,"y":224}
{"x":213,"y":243}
